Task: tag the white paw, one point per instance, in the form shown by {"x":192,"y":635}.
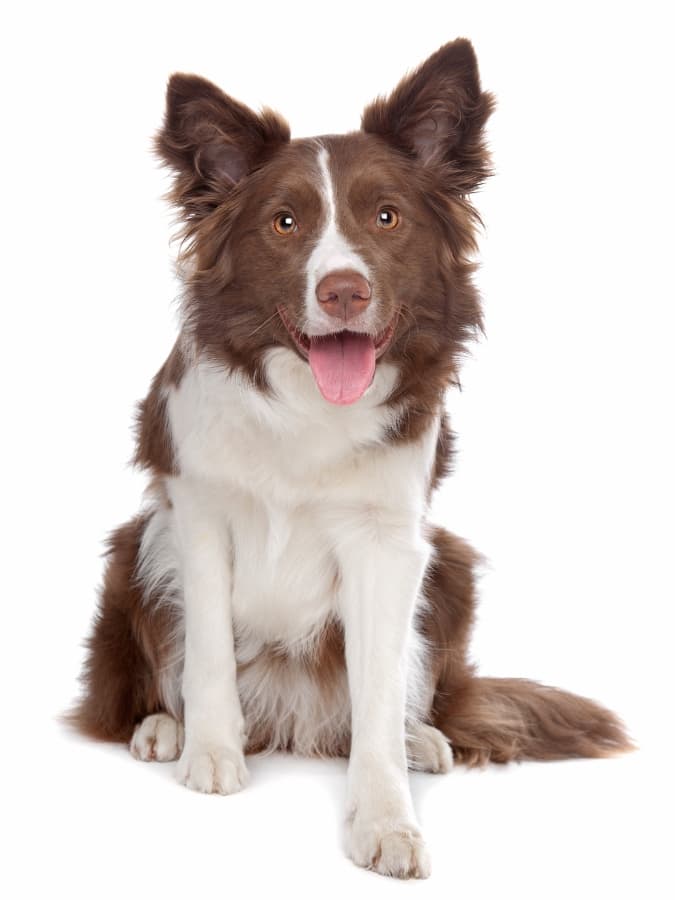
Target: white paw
{"x":212,"y":769}
{"x":428,"y":748}
{"x":158,"y":737}
{"x":395,"y":849}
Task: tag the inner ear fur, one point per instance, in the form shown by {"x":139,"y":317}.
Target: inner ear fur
{"x":211,"y":141}
{"x":437,"y":115}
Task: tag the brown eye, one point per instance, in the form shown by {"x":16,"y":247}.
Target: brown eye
{"x":387,"y":218}
{"x":284,"y":223}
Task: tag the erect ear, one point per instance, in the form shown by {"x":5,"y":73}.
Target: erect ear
{"x":211,"y":141}
{"x":437,"y":114}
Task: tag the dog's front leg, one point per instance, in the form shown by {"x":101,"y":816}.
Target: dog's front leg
{"x":212,"y":760}
{"x":380,"y":582}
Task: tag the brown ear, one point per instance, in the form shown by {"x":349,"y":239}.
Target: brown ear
{"x":211,"y":141}
{"x":437,"y":114}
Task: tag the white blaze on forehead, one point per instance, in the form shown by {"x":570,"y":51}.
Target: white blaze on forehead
{"x":332,"y":252}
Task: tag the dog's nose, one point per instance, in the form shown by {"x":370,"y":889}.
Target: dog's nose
{"x":343,"y":294}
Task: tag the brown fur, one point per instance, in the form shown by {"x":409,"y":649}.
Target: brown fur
{"x":211,"y":141}
{"x":504,"y":719}
{"x":325,"y":665}
{"x":234,"y":170}
{"x":486,"y":719}
{"x":130,"y":645}
{"x":153,"y":438}
{"x":438,"y":114}
{"x":443,"y":457}
{"x":498,"y":719}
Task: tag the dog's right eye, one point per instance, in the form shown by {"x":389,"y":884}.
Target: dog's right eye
{"x":285,"y":223}
{"x":387,"y":218}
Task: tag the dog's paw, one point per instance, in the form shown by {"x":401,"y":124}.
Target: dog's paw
{"x":212,"y":769}
{"x":158,"y":737}
{"x":428,"y":749}
{"x":390,"y":849}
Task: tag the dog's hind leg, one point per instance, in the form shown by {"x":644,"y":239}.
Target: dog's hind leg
{"x":129,"y":668}
{"x":159,"y":737}
{"x":498,"y":719}
{"x":427,"y":748}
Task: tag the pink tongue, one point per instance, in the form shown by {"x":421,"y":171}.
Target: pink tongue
{"x":343,"y":365}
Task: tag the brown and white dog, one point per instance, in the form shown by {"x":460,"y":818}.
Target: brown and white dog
{"x":282,"y":588}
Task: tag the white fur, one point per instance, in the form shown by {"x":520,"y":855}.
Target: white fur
{"x":158,"y":737}
{"x":289,"y":512}
{"x":428,"y":748}
{"x":212,"y":758}
{"x":332,"y":253}
{"x":382,"y":566}
{"x":160,"y":573}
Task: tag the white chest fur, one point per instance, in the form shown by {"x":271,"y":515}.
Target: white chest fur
{"x":282,"y":481}
{"x":288,"y":443}
{"x":286,"y":472}
{"x":284,"y":576}
{"x":284,"y":477}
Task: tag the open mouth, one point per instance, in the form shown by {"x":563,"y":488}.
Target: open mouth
{"x":343,"y":362}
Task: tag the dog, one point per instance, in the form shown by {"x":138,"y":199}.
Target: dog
{"x":281,"y":588}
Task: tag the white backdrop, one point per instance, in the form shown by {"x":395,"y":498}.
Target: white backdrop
{"x":564,"y":469}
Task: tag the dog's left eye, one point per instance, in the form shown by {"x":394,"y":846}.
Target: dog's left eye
{"x":387,"y":218}
{"x":285,"y":223}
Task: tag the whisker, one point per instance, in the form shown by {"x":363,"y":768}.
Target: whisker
{"x":266,"y":322}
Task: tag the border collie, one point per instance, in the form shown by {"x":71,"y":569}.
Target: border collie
{"x":281,"y":588}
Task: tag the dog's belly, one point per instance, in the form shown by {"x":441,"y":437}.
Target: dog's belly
{"x":296,"y":700}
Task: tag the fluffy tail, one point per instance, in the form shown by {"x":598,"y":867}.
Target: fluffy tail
{"x":504,"y":719}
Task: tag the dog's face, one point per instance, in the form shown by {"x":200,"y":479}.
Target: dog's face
{"x":345,"y":249}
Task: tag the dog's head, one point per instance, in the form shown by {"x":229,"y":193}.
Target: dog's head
{"x":345,"y":249}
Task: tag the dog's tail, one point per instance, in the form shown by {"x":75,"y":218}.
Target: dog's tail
{"x":504,"y":719}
